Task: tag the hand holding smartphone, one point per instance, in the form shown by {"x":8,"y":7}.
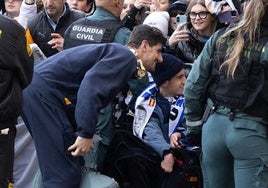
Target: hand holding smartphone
{"x":181,"y":19}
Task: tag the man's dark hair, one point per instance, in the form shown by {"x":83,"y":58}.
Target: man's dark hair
{"x":144,"y":32}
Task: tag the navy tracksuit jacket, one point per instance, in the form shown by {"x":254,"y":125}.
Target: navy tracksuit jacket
{"x":68,"y":90}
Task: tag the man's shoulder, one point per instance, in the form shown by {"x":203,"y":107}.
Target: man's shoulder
{"x":122,"y":35}
{"x":97,"y":21}
{"x":36,"y":18}
{"x":9,"y":23}
{"x":10,"y":31}
{"x":76,"y":14}
{"x":117,"y":46}
{"x":124,"y":30}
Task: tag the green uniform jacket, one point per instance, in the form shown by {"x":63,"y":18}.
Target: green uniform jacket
{"x":196,"y":82}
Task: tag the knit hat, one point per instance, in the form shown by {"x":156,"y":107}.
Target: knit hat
{"x":158,"y":19}
{"x":170,"y":66}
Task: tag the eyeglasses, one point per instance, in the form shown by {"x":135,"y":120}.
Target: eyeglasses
{"x":202,"y":14}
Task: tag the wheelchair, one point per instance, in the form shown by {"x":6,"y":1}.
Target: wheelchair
{"x":187,"y":158}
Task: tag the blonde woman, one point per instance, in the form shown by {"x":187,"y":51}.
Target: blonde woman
{"x":230,"y":77}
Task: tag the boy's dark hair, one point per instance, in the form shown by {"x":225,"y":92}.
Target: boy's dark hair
{"x":144,"y":32}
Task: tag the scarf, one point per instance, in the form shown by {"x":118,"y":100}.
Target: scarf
{"x":145,"y":105}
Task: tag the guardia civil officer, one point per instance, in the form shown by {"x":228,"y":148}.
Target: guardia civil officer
{"x":231,"y":77}
{"x":103,"y":26}
{"x":16,"y":68}
{"x":69,"y":89}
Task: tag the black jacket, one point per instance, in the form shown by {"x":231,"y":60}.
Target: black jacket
{"x":188,"y":51}
{"x":16,"y":69}
{"x":41,"y":29}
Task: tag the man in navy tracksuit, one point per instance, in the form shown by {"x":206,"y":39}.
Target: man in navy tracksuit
{"x":67,"y":92}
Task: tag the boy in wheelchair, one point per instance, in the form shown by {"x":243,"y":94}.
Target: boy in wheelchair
{"x":151,"y":157}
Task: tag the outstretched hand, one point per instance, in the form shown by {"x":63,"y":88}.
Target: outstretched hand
{"x":81,"y":146}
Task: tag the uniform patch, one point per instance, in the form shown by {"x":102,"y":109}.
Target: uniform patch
{"x":151,"y":102}
{"x":67,"y":101}
{"x":87,"y":33}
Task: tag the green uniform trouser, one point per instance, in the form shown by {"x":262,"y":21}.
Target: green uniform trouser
{"x":105,"y":129}
{"x":234,"y":153}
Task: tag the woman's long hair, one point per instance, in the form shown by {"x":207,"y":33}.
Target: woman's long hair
{"x":246,"y":29}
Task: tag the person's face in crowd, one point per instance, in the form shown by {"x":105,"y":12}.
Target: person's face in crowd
{"x":201,"y":19}
{"x":13,"y":7}
{"x":175,"y":86}
{"x":173,"y":23}
{"x":151,"y":55}
{"x":173,"y":20}
{"x":54,"y":8}
{"x":159,"y":5}
{"x":81,"y":5}
{"x":163,"y":4}
{"x":126,"y":7}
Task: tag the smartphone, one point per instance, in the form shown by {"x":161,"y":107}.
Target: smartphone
{"x":181,"y":19}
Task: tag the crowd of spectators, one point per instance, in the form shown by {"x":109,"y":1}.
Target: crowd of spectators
{"x":53,"y":27}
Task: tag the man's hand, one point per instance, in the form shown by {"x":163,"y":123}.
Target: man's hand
{"x":167,"y":163}
{"x":56,"y":42}
{"x":81,"y":146}
{"x":174,"y":139}
{"x":142,"y":3}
